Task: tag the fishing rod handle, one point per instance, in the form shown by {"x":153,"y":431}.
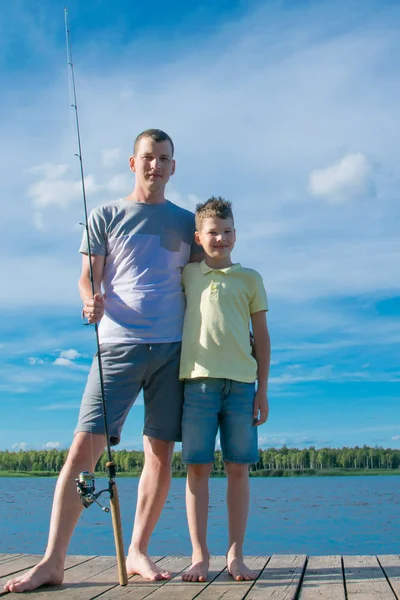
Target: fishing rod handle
{"x":117,"y":529}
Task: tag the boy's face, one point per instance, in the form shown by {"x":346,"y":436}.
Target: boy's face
{"x":217,"y":236}
{"x":153,"y":164}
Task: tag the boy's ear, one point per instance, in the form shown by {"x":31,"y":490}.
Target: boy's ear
{"x":197,"y":238}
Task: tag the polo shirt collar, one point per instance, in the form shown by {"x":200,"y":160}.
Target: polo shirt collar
{"x":205,"y":269}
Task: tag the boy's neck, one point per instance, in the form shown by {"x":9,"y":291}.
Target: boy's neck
{"x":215,"y":263}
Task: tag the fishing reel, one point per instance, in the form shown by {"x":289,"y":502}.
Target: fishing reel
{"x":86,"y":489}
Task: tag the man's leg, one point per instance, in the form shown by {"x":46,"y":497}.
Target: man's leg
{"x":84,"y":453}
{"x":154,"y":485}
{"x":197,"y":500}
{"x":237,"y":498}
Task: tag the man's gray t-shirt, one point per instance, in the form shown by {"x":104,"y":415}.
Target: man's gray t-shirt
{"x":146,"y":247}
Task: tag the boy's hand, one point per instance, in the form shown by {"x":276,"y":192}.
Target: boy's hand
{"x":261,"y":408}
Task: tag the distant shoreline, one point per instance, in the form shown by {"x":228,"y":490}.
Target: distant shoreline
{"x":256,"y":474}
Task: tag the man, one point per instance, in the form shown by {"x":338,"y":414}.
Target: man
{"x":139,"y":246}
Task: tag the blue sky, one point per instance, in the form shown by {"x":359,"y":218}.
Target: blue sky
{"x":290,"y":110}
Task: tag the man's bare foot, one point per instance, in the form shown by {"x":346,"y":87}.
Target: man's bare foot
{"x":238,"y":570}
{"x":138,"y":563}
{"x":198,"y":570}
{"x":45,"y":573}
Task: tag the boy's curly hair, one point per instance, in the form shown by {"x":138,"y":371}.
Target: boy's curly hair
{"x":216,"y":206}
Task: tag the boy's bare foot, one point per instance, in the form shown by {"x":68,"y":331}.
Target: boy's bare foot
{"x":238,"y":570}
{"x":198,"y":570}
{"x":46,"y":572}
{"x":138,"y":563}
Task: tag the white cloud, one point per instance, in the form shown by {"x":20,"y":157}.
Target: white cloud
{"x":20,"y":446}
{"x":52,"y":445}
{"x":395,"y":438}
{"x":49,"y":170}
{"x":350,"y":178}
{"x":119,"y":184}
{"x":56,"y":191}
{"x":70,"y":354}
{"x":67,"y":362}
{"x":60,"y":406}
{"x":32,"y":360}
{"x":63,"y":362}
{"x":111,"y":157}
{"x":38,"y":221}
{"x":189,"y":201}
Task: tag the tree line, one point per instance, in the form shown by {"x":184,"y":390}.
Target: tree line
{"x":271,"y":459}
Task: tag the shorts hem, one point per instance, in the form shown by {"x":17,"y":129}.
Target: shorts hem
{"x":113,"y":439}
{"x":240,"y":461}
{"x":189,"y":461}
{"x":165,"y":436}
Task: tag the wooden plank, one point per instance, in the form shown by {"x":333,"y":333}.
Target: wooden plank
{"x":365,"y":579}
{"x":323,"y":579}
{"x":7,"y":557}
{"x":280,"y":579}
{"x":78,"y":574}
{"x":138,"y":588}
{"x":176,"y":589}
{"x":228,"y":589}
{"x":27,"y":561}
{"x":391,"y":566}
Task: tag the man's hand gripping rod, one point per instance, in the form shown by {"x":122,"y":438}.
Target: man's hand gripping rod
{"x":85,"y":481}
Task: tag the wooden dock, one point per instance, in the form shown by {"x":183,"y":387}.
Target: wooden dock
{"x":280,"y":577}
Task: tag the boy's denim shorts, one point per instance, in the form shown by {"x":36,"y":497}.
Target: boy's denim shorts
{"x":128,"y":369}
{"x":210,"y":403}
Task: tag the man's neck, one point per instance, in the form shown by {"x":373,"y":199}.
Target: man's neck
{"x":147,"y":197}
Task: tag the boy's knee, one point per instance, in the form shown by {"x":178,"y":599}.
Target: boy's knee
{"x":236,"y":470}
{"x":199,"y":471}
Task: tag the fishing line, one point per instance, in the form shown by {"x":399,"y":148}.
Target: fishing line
{"x":85,"y":480}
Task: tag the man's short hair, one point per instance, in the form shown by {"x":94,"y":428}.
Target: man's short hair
{"x":157,"y":135}
{"x":216,"y":206}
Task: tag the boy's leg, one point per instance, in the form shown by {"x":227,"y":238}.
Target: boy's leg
{"x":237,"y":498}
{"x":197,"y":501}
{"x":83,"y":455}
{"x":239,"y":448}
{"x":199,"y":429}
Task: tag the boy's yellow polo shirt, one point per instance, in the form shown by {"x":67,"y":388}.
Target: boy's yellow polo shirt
{"x":219,"y":303}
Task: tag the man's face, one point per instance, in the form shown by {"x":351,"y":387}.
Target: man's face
{"x":217,"y":236}
{"x":153,"y":164}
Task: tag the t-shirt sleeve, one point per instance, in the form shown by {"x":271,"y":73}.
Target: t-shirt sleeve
{"x":97,"y":234}
{"x":259,"y":299}
{"x":184,"y":279}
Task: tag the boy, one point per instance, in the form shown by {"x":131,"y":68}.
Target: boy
{"x":220,"y":373}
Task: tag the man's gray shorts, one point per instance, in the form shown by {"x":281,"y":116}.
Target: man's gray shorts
{"x":128,"y":368}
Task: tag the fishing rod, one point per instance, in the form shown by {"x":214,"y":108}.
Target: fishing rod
{"x":86,"y":481}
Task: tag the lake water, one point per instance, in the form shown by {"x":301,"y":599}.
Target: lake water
{"x":311,"y":515}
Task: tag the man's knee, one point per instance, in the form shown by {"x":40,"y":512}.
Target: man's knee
{"x":158,"y":452}
{"x":85,"y":451}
